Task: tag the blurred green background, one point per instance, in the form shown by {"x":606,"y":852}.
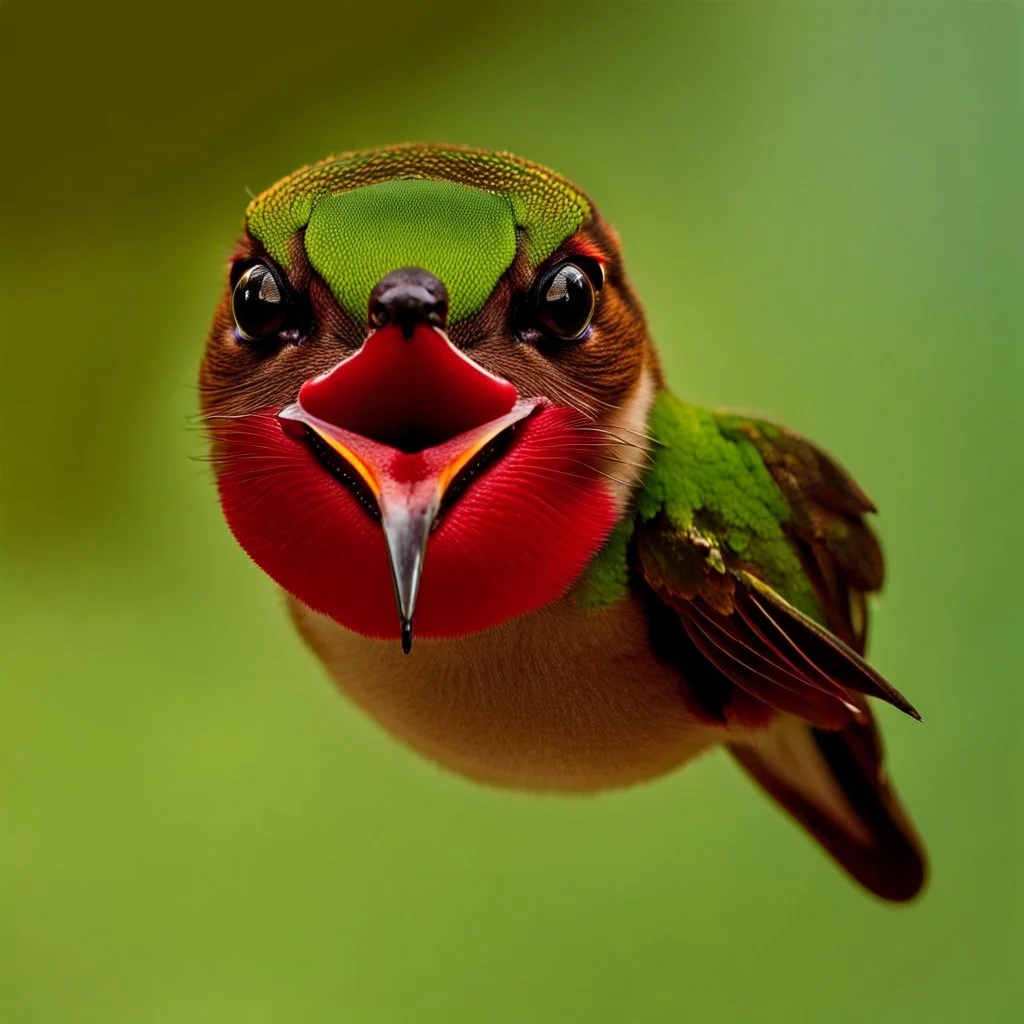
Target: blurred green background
{"x":821,"y":208}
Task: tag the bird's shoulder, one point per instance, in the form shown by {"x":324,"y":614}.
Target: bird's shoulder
{"x":751,"y":548}
{"x":739,"y":520}
{"x":730,"y":491}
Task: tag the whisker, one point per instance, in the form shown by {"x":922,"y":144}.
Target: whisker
{"x":622,"y":427}
{"x":643,"y":454}
{"x":585,"y":465}
{"x":599,"y":455}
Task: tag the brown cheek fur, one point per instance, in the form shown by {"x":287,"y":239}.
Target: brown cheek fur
{"x":236,"y":378}
{"x":596,"y":374}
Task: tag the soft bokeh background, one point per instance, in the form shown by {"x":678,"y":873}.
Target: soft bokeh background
{"x":821,"y":208}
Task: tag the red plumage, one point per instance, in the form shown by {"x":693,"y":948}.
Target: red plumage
{"x":515,"y":540}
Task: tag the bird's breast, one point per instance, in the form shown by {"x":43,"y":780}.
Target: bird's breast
{"x":560,"y":699}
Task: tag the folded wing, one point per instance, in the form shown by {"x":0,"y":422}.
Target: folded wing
{"x":797,"y":684}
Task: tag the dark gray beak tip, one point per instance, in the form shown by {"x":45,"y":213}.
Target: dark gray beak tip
{"x":405,"y":532}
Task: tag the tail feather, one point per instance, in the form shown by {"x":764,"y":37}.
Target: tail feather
{"x":835,"y":785}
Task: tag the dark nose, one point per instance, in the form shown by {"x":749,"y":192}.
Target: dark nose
{"x":408,"y":297}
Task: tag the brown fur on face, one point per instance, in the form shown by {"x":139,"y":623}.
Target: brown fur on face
{"x":596,"y":375}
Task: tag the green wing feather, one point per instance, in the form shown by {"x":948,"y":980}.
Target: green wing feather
{"x":757,"y":541}
{"x":710,"y":482}
{"x":750,"y":547}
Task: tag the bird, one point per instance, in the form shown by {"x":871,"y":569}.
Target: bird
{"x":439,"y":423}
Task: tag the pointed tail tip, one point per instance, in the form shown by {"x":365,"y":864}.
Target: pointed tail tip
{"x":902,"y":704}
{"x":406,"y":635}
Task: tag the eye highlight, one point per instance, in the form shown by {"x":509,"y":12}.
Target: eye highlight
{"x":561,"y":303}
{"x":260,"y":304}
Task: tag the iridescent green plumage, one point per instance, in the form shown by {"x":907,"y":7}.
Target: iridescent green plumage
{"x":759,"y":496}
{"x":708,"y":477}
{"x":466,"y":237}
{"x":455,"y":212}
{"x":755,"y":539}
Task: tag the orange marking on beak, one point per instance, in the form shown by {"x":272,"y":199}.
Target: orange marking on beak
{"x":369,"y":477}
{"x":463,"y":458}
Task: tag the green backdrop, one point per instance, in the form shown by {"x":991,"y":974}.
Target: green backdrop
{"x":821,"y":207}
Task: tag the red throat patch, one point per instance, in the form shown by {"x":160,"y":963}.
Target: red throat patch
{"x":514,"y":539}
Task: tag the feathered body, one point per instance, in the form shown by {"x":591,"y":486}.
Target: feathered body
{"x":613,"y":581}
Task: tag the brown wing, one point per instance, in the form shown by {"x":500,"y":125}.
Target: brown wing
{"x":756,"y":640}
{"x":754,"y":660}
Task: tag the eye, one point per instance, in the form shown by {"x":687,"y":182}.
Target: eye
{"x":563,"y":302}
{"x":260,"y":303}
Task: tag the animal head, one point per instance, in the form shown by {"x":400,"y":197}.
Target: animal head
{"x":426,"y":385}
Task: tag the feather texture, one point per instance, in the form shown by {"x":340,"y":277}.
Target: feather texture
{"x":755,"y":540}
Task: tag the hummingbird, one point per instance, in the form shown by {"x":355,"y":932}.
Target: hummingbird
{"x":438,"y":422}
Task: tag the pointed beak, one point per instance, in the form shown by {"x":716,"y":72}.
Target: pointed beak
{"x":404,"y":422}
{"x":407,"y":489}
